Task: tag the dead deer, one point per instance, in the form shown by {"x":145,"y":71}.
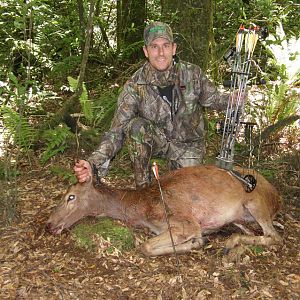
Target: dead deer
{"x":200,"y":200}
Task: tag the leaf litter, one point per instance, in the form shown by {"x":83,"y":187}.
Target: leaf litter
{"x":37,"y":265}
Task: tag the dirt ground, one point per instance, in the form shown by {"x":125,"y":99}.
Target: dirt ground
{"x":37,"y":265}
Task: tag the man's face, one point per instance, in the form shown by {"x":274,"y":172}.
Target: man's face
{"x":160,"y":53}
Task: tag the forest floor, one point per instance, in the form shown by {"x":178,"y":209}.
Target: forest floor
{"x":37,"y":265}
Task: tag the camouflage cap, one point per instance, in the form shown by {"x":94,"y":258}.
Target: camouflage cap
{"x":157,"y":30}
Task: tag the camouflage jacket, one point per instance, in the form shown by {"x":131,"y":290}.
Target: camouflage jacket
{"x":181,"y":120}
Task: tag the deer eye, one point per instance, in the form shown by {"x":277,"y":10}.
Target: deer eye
{"x":71,"y":198}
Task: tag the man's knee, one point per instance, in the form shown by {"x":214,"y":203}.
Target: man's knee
{"x":186,"y":156}
{"x":190,"y":162}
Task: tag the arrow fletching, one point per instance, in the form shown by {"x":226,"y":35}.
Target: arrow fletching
{"x":155,"y":170}
{"x":240,"y":38}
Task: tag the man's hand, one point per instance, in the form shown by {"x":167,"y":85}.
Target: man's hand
{"x":83,"y":171}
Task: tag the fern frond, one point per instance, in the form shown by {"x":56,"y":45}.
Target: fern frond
{"x":85,"y":103}
{"x":56,"y":140}
{"x":18,"y":126}
{"x":104,"y":108}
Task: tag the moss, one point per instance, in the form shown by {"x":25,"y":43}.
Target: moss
{"x":257,"y":249}
{"x":120,"y":237}
{"x":268,"y":174}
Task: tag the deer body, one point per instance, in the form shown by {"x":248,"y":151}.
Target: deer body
{"x":199,"y":200}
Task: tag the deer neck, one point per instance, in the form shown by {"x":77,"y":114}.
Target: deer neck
{"x":125,"y":205}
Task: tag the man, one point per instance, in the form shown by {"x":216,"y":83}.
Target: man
{"x":159,"y":112}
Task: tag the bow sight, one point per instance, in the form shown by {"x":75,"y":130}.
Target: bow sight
{"x":239,"y":59}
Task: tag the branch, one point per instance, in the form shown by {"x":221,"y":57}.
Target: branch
{"x":274,"y":128}
{"x":71,"y":104}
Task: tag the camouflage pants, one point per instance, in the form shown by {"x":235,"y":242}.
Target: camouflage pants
{"x":146,"y":141}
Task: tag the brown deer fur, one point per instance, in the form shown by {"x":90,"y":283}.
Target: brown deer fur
{"x":199,"y":200}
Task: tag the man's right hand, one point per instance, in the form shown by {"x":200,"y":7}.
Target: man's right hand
{"x":83,"y":171}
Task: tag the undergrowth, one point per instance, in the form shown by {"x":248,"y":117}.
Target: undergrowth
{"x":63,"y":173}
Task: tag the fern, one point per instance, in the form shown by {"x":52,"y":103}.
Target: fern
{"x":63,"y":173}
{"x":18,"y":127}
{"x":281,"y":104}
{"x":282,"y":100}
{"x":104,"y":108}
{"x":56,"y":142}
{"x":83,"y":99}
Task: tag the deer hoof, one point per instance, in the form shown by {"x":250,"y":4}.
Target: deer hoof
{"x":146,"y":249}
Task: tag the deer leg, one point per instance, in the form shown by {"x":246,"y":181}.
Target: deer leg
{"x":244,"y":228}
{"x":261,"y":214}
{"x":186,"y":235}
{"x":237,"y":239}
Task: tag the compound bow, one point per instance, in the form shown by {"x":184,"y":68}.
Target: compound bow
{"x":236,"y":104}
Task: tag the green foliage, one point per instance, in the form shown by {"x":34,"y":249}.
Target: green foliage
{"x":104,"y":108}
{"x":268,"y":174}
{"x":64,"y":67}
{"x":63,"y":173}
{"x":40,"y":44}
{"x":12,"y":92}
{"x":282,"y":100}
{"x":32,"y":59}
{"x":257,"y":250}
{"x":18,"y":127}
{"x":20,"y":103}
{"x":20,"y":54}
{"x":130,"y":50}
{"x":120,"y":237}
{"x":281,"y":103}
{"x":211,"y":125}
{"x":83,"y":99}
{"x":7,"y":171}
{"x":2,"y":170}
{"x":229,"y":15}
{"x":53,"y":32}
{"x":285,"y":54}
{"x":56,"y":142}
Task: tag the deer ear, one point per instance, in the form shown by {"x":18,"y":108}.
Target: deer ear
{"x":90,"y":179}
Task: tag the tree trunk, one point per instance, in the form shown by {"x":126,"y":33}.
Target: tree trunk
{"x":81,"y":23}
{"x":192,"y":26}
{"x":101,"y":25}
{"x":131,"y":15}
{"x":72,"y":103}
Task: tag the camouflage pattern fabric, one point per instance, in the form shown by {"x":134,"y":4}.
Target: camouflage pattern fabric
{"x":146,"y":141}
{"x":157,"y":30}
{"x":173,"y":130}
